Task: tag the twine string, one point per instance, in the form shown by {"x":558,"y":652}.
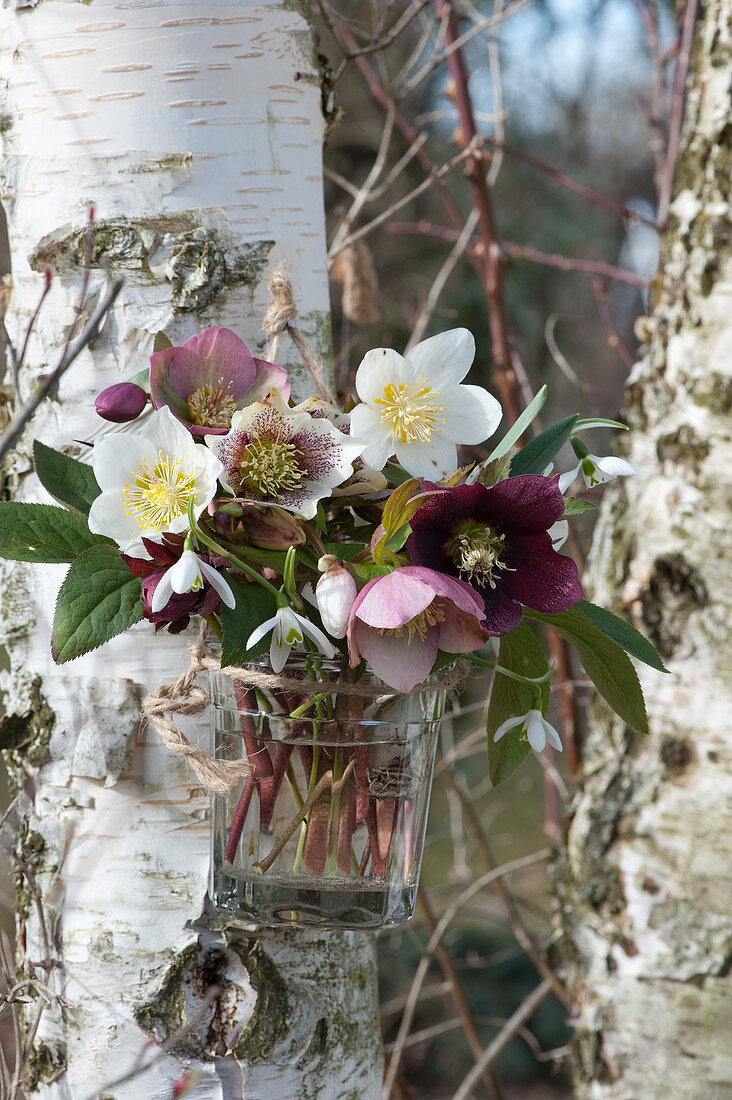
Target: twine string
{"x":281,"y":317}
{"x":186,"y":698}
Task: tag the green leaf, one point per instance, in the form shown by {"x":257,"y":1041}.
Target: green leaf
{"x":609,"y":668}
{"x":67,"y":480}
{"x":516,"y":430}
{"x":254,"y":605}
{"x":98,"y":600}
{"x":490,"y":473}
{"x":344,"y":551}
{"x":536,"y":455}
{"x":161,"y":342}
{"x":142,"y":378}
{"x":397,"y":540}
{"x":44,"y":533}
{"x":625,"y":635}
{"x":521,"y":652}
{"x":575,"y":507}
{"x":365,"y":571}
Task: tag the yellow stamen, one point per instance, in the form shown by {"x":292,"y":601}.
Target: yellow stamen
{"x":420,"y":624}
{"x":413,"y":409}
{"x":211,"y":406}
{"x":157,"y":496}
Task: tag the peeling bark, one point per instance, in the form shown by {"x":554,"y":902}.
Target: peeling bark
{"x":645,"y":880}
{"x":196,"y":132}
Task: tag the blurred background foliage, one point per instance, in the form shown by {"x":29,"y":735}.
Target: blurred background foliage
{"x":583,"y":87}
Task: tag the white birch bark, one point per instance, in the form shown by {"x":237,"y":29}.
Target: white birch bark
{"x":196,"y":132}
{"x":646,"y":883}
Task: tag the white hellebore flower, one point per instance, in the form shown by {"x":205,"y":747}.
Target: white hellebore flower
{"x":288,"y":629}
{"x":334,"y":593}
{"x":188,"y":575}
{"x":147,"y":479}
{"x":538,"y":731}
{"x":596,"y":471}
{"x":279,"y":456}
{"x":413,"y":405}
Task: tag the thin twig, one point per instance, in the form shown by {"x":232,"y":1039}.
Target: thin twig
{"x":613,"y":337}
{"x":428,"y":953}
{"x":677,"y":109}
{"x":503,"y":1038}
{"x":16,"y":426}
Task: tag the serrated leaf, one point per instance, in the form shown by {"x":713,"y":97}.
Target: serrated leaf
{"x":575,"y":507}
{"x":606,"y":664}
{"x":536,"y":455}
{"x":43,"y":533}
{"x":98,"y":600}
{"x":490,"y":473}
{"x":365,"y":571}
{"x":161,"y":342}
{"x":521,"y":652}
{"x":67,"y":480}
{"x":254,"y":605}
{"x":622,"y":633}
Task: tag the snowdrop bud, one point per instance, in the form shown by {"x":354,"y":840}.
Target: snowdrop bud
{"x":122,"y":402}
{"x":335,"y":593}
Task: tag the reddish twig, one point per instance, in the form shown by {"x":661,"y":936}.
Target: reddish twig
{"x":493,"y":279}
{"x":613,"y":337}
{"x":524,"y":252}
{"x":677,"y":110}
{"x":457,"y":993}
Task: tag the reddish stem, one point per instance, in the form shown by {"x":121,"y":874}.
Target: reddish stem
{"x":346,"y":825}
{"x":315,"y":850}
{"x":240,"y":816}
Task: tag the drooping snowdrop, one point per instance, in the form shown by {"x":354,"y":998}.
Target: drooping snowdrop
{"x":275,"y":455}
{"x":188,"y":575}
{"x":534,"y":727}
{"x":288,"y":630}
{"x":414,"y":406}
{"x":595,"y":470}
{"x":147,"y":479}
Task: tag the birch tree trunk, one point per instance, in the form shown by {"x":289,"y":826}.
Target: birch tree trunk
{"x":646,"y":879}
{"x":195,"y":130}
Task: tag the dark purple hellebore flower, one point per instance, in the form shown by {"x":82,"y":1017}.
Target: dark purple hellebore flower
{"x":496,"y":539}
{"x":178,"y":609}
{"x":204,"y":381}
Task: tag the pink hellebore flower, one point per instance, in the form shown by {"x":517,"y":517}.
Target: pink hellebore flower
{"x":399,"y":621}
{"x":207,"y":379}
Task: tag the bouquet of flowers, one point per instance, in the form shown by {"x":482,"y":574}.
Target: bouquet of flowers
{"x":352,"y":540}
{"x":347,"y":534}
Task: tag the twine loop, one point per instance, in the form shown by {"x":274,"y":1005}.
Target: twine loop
{"x":185,"y":698}
{"x":280,"y":317}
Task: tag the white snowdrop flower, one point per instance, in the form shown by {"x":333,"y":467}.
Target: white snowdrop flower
{"x":288,"y":630}
{"x":188,"y":575}
{"x":534,"y":727}
{"x":147,"y":479}
{"x":596,"y":471}
{"x":413,"y":405}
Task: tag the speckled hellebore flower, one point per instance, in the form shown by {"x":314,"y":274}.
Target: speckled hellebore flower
{"x":413,"y":405}
{"x":399,"y":621}
{"x":534,"y":728}
{"x":275,"y":455}
{"x":204,"y":381}
{"x":147,"y":479}
{"x":497,"y":540}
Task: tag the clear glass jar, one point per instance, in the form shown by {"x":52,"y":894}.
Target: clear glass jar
{"x":328,"y":828}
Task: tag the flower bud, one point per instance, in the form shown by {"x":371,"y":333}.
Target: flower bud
{"x":273,"y":529}
{"x":122,"y":402}
{"x":335,"y":593}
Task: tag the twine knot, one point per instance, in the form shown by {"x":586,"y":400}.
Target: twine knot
{"x":283,"y":310}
